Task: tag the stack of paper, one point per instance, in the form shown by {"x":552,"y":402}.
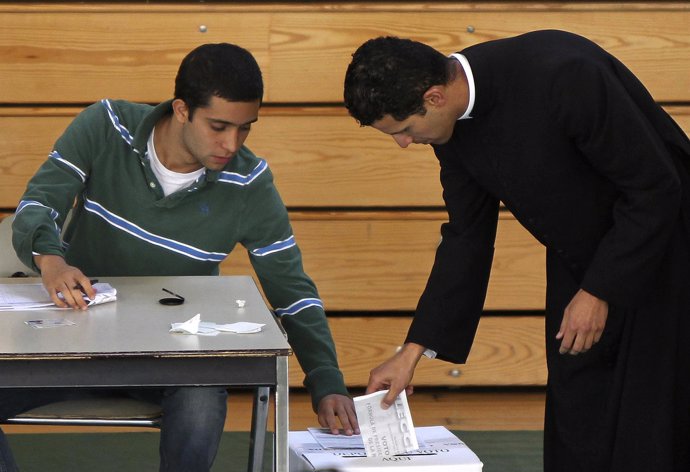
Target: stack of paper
{"x":35,"y":296}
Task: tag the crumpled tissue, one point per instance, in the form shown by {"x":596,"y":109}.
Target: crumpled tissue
{"x":194,"y":325}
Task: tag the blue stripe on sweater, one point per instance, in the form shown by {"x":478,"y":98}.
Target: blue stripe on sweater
{"x":298,"y":306}
{"x":239,"y":179}
{"x":124,"y":132}
{"x":80,"y":173}
{"x":160,"y":241}
{"x":275,"y":247}
{"x":26,"y":203}
{"x":53,"y":213}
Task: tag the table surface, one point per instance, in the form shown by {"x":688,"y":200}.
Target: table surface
{"x":127,"y":343}
{"x":137,"y":325}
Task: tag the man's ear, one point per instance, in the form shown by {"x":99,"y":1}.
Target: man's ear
{"x":180,"y":110}
{"x":435,"y":96}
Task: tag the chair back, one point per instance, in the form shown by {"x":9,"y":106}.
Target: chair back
{"x":9,"y":262}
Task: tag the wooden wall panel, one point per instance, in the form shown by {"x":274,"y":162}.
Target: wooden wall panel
{"x":80,"y":53}
{"x":646,"y":40}
{"x":506,"y":351}
{"x":320,"y":157}
{"x":88,"y":52}
{"x":375,"y":262}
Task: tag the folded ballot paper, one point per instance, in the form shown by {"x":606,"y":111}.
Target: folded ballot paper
{"x":194,"y":325}
{"x":385,"y":432}
{"x":15,"y":297}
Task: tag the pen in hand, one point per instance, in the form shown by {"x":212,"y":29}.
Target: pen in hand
{"x":91,"y":281}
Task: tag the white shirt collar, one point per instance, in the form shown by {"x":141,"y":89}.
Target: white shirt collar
{"x":470,"y":83}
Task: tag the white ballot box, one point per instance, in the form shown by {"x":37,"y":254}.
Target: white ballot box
{"x":440,"y":451}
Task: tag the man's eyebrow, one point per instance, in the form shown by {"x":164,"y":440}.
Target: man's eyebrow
{"x":225,"y":122}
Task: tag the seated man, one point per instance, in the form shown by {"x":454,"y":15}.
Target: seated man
{"x":170,"y":190}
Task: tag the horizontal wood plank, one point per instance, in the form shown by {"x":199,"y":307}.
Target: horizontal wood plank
{"x":381,"y":261}
{"x":362,"y":265}
{"x":80,"y":53}
{"x":320,"y":157}
{"x":507,"y":351}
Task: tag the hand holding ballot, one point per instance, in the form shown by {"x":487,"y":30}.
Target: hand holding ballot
{"x":385,"y":431}
{"x":396,"y":373}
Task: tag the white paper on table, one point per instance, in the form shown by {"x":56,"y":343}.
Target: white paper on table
{"x":191,"y":326}
{"x":208,"y":328}
{"x":104,"y":293}
{"x":385,"y":432}
{"x":327,"y":440}
{"x":241,"y":327}
{"x":35,"y":297}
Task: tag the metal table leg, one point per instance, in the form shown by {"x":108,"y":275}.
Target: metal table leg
{"x":257,"y":439}
{"x":281,"y":448}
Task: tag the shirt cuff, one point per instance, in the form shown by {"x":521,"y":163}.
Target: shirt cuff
{"x":431,"y":354}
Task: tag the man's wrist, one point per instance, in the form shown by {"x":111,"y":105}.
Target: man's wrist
{"x":412,"y":350}
{"x":42,"y":260}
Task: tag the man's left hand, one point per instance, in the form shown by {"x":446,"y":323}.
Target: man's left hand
{"x":334,"y":407}
{"x":583,"y":323}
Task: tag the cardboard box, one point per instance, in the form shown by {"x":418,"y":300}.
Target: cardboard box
{"x":442,"y":451}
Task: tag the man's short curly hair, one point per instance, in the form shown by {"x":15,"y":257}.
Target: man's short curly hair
{"x":389,"y":76}
{"x":222,"y":70}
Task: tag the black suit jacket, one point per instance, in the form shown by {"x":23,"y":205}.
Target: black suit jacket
{"x":580,"y":153}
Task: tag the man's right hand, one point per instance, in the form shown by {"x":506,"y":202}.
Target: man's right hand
{"x":396,"y":373}
{"x":60,"y":277}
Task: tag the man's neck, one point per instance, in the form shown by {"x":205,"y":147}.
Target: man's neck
{"x":168,"y":143}
{"x":459,"y":91}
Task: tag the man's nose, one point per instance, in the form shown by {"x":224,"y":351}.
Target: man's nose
{"x":231,"y":141}
{"x":402,"y":140}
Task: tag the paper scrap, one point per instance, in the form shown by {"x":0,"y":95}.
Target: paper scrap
{"x":385,"y":432}
{"x":191,"y":326}
{"x":49,"y":323}
{"x":241,"y":327}
{"x":194,"y":325}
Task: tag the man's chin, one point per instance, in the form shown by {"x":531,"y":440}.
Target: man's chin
{"x":217,"y":163}
{"x":440,"y":141}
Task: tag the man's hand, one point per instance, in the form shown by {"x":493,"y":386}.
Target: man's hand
{"x":59,"y":277}
{"x":583,"y":322}
{"x":336,"y":406}
{"x":396,"y":373}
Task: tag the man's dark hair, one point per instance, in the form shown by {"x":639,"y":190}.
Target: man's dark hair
{"x":223,"y":70}
{"x":389,"y":76}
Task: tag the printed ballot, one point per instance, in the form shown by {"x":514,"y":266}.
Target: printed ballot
{"x":34,"y":296}
{"x":385,"y":432}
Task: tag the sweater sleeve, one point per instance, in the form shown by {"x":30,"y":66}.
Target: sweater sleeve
{"x":52,"y":191}
{"x":449,"y":309}
{"x":277,"y":261}
{"x":598,"y":107}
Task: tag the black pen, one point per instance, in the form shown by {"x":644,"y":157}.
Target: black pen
{"x":173,"y":293}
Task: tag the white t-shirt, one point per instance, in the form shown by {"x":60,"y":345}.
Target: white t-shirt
{"x":170,"y":181}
